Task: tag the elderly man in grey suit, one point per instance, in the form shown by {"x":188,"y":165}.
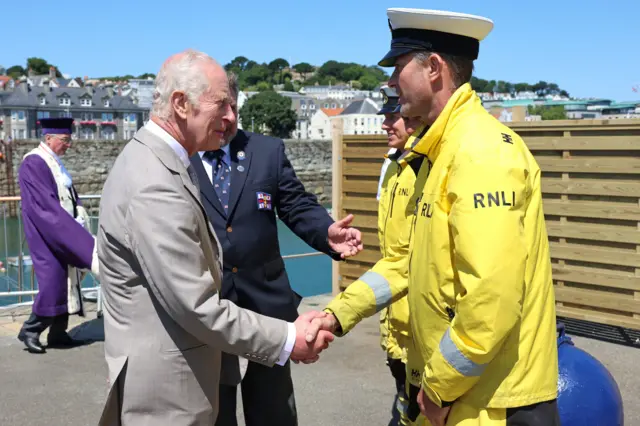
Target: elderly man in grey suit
{"x":161,"y":266}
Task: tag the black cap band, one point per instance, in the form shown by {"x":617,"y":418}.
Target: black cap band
{"x":435,"y":41}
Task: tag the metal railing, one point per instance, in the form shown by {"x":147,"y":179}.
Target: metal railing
{"x":22,"y":284}
{"x":14,"y":240}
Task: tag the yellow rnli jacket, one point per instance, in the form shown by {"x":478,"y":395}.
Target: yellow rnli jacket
{"x":385,"y":284}
{"x":480,"y":290}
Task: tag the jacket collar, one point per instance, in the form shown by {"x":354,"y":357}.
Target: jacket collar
{"x":459,"y":105}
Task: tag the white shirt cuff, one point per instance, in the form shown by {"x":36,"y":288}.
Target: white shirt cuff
{"x":288,"y":345}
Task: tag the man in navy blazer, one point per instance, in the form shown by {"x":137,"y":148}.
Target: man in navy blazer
{"x":242,"y":187}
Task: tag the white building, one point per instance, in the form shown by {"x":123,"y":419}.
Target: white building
{"x":320,"y":125}
{"x":361,"y":118}
{"x":341,"y":92}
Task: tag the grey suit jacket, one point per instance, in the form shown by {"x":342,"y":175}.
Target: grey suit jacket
{"x":160,"y":271}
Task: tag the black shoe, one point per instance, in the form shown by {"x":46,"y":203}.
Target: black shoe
{"x":63,"y":340}
{"x":32,"y":344}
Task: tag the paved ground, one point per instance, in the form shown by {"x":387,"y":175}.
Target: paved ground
{"x":349,"y":386}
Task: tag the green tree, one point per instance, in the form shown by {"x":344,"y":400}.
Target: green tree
{"x":16,"y":71}
{"x":556,"y":112}
{"x":377,"y":72}
{"x":263,"y":86}
{"x":368,"y":82}
{"x":255,"y":75}
{"x":288,"y":87}
{"x":40,"y":66}
{"x":304,"y":68}
{"x":332,"y":69}
{"x":277,"y":66}
{"x":353,"y":72}
{"x":270,"y":110}
{"x":147,"y":75}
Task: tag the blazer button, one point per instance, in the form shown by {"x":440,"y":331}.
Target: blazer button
{"x":229,"y":229}
{"x":234,"y":269}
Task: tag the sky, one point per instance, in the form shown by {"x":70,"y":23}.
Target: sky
{"x":588,"y":48}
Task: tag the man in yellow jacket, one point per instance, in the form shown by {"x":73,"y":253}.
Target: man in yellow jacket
{"x":386,"y":282}
{"x":480,"y":290}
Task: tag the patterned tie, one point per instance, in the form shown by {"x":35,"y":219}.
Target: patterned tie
{"x":221,"y":176}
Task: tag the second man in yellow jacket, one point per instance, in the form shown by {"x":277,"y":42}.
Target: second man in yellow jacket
{"x":386,"y":283}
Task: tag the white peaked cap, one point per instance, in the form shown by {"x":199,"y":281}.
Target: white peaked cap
{"x":435,"y":30}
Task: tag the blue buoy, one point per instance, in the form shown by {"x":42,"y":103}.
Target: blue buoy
{"x":587,"y":392}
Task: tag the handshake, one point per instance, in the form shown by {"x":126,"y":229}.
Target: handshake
{"x":314,"y":331}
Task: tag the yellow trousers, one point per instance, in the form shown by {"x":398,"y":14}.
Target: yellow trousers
{"x":466,"y":415}
{"x":461,"y":414}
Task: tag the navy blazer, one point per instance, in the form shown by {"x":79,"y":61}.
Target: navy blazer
{"x":254,"y":274}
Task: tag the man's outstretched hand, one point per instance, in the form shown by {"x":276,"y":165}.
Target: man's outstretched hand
{"x":309,"y":340}
{"x":343,"y":239}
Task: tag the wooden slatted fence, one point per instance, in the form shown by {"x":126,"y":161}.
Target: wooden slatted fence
{"x":591,"y":190}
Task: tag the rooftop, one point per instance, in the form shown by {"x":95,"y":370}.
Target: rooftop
{"x":24,"y":97}
{"x":332,"y":112}
{"x":365,"y":106}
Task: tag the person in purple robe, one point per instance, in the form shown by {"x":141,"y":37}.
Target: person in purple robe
{"x":57,"y":231}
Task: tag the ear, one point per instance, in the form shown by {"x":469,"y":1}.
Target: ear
{"x":436,"y":67}
{"x":180,"y":104}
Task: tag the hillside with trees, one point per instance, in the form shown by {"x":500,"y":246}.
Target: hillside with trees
{"x":256,"y":77}
{"x":253,"y":76}
{"x":541,"y":88}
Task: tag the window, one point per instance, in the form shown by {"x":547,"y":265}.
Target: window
{"x":106,"y":103}
{"x":64,"y":114}
{"x":132,"y":118}
{"x":17,"y":115}
{"x":85,"y":102}
{"x":43,"y":114}
{"x":355,"y":121}
{"x":303,"y":106}
{"x":87,"y":133}
{"x":334,"y":105}
{"x":43,"y":100}
{"x":65,"y":101}
{"x":312,"y":106}
{"x":108,"y":133}
{"x":107,"y":116}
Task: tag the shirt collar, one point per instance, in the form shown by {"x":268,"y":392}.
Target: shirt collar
{"x":180,"y":150}
{"x":227,"y":154}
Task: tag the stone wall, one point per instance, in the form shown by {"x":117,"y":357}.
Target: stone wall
{"x":89,"y":163}
{"x":311,"y":161}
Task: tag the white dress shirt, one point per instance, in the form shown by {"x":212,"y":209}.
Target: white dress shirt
{"x":383,"y":170}
{"x":182,"y":153}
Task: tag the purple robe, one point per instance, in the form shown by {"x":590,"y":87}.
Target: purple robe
{"x":55,"y":239}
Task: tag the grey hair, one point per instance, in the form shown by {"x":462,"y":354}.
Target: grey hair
{"x":461,"y":68}
{"x":181,"y":73}
{"x":233,"y":84}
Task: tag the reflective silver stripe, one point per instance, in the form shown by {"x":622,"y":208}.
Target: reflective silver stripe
{"x":452,"y":354}
{"x":381,"y":288}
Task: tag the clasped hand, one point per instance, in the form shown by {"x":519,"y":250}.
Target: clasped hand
{"x":312,"y":337}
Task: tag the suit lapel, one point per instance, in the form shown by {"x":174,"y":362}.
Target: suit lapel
{"x":206,"y":187}
{"x":240,"y":163}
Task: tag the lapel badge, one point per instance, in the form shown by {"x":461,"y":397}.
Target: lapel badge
{"x":241,"y":155}
{"x":240,"y":169}
{"x":264,"y":200}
